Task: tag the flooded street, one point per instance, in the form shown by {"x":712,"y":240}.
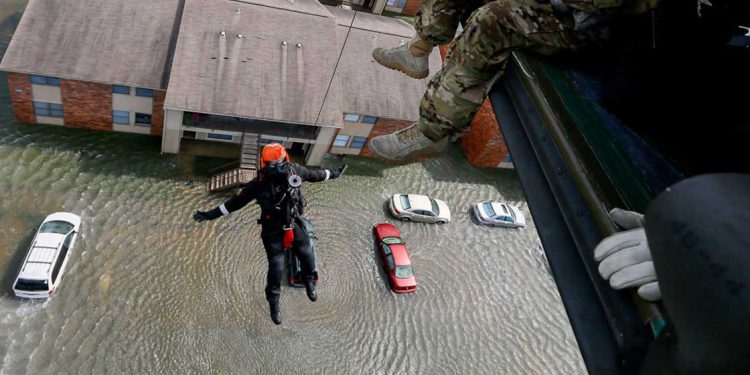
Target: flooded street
{"x":147,"y":290}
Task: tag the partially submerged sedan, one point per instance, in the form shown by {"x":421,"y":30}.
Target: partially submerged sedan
{"x":417,"y":207}
{"x":45,"y":262}
{"x":499,"y":215}
{"x":397,"y":261}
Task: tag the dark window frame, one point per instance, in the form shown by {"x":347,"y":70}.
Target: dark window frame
{"x":115,"y":116}
{"x":44,"y":80}
{"x":369,"y":119}
{"x":346,"y":143}
{"x":46,"y":109}
{"x":141,"y":123}
{"x":116,"y":87}
{"x":358,"y":142}
{"x":143,"y":92}
{"x":220,"y":136}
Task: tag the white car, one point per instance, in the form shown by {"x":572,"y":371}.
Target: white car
{"x":499,"y":215}
{"x":45,"y":263}
{"x":417,"y":207}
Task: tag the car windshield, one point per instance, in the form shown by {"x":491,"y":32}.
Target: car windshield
{"x":31,"y":285}
{"x":404,"y":272}
{"x":392,"y":240}
{"x":488,"y":209}
{"x":59,"y":227}
{"x":435,"y":208}
{"x":405,"y":202}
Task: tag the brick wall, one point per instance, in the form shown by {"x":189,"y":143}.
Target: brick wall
{"x":20,"y":97}
{"x":157,"y":114}
{"x":87,"y":105}
{"x":384,"y":126}
{"x":483,"y":144}
{"x":412,"y":7}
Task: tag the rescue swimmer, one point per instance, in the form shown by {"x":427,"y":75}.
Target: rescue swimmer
{"x":276,"y":191}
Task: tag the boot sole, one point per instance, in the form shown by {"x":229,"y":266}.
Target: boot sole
{"x":401,"y":68}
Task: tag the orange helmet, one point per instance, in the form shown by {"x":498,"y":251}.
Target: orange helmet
{"x":272,"y":155}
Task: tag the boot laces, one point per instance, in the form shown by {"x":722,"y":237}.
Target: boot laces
{"x":409,"y":134}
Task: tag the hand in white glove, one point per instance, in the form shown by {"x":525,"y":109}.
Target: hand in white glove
{"x":625,"y":257}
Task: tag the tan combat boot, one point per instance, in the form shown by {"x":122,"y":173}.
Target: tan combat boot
{"x":410,"y":58}
{"x":406,"y":145}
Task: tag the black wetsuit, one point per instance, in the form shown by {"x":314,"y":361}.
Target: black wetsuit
{"x":272,"y":194}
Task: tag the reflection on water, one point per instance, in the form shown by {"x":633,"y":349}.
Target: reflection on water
{"x":149,"y":291}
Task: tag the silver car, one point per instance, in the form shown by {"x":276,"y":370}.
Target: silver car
{"x":499,"y":215}
{"x":417,"y":207}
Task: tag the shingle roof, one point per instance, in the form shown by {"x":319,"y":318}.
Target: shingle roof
{"x":256,"y":76}
{"x":113,"y":41}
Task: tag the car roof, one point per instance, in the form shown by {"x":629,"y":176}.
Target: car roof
{"x":419,"y":202}
{"x":43,"y":253}
{"x":400,"y":255}
{"x":501,"y":208}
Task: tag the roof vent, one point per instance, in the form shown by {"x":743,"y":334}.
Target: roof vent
{"x":238,"y":11}
{"x":222,"y":34}
{"x":299,"y":45}
{"x":283,"y":43}
{"x":240,"y":36}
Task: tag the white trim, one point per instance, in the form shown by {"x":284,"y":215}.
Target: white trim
{"x":328,"y":175}
{"x":223,"y":209}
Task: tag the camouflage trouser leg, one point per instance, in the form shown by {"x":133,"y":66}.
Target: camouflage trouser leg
{"x":478,"y":57}
{"x":438,"y":20}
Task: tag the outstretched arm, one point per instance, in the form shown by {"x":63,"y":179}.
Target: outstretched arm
{"x":318,"y":175}
{"x":237,"y":201}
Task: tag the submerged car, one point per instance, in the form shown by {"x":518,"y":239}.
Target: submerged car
{"x":397,"y":261}
{"x":499,"y":215}
{"x":45,"y":262}
{"x":417,"y":207}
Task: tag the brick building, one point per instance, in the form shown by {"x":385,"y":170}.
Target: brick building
{"x":299,"y":73}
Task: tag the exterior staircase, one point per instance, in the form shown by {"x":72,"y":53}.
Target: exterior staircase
{"x":248,"y":167}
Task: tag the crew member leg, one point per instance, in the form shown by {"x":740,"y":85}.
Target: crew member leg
{"x":478,"y":58}
{"x":275,"y":256}
{"x":304,"y":252}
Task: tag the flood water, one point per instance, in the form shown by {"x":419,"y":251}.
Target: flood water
{"x":147,"y":290}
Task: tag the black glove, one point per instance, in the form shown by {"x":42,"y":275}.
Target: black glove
{"x":336,"y":173}
{"x":207,"y":215}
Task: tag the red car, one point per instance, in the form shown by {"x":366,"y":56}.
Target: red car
{"x":396,"y":259}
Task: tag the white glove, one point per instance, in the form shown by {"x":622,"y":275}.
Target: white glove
{"x":625,"y":257}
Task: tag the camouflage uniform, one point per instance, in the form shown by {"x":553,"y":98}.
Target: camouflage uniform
{"x":478,"y":56}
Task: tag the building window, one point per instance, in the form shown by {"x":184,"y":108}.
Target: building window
{"x":264,"y":141}
{"x":143,"y":119}
{"x":370,"y":119}
{"x":351,"y":117}
{"x":48,"y":109}
{"x":121,"y":117}
{"x":358,"y":142}
{"x":341,"y":141}
{"x":223,"y":137}
{"x":117,"y":89}
{"x":144,"y":92}
{"x":396,"y":3}
{"x":44,"y":80}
